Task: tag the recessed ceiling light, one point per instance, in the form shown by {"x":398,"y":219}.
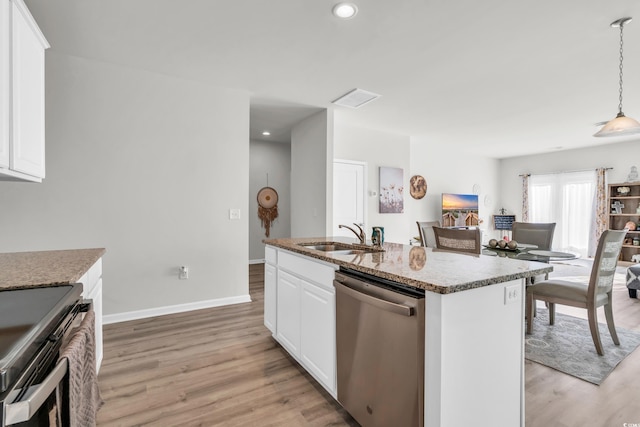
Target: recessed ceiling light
{"x":266,"y":133}
{"x":345,"y":10}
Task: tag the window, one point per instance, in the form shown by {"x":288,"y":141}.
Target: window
{"x":566,"y":199}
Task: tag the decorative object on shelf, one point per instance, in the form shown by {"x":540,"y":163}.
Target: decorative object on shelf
{"x":625,"y":213}
{"x":635,"y":258}
{"x":636,"y":241}
{"x":633,"y":174}
{"x":503,"y":222}
{"x":391,"y":190}
{"x":623,"y":191}
{"x":267,"y":207}
{"x":620,"y":125}
{"x":616,"y":207}
{"x":417,"y":187}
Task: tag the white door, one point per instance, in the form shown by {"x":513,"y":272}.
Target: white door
{"x":348,"y":195}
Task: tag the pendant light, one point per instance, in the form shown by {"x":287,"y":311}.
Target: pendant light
{"x":621,"y":124}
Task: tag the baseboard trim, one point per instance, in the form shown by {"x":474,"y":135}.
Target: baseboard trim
{"x":256,"y":261}
{"x":172,"y":309}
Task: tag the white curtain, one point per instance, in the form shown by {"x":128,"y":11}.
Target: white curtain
{"x":566,"y":199}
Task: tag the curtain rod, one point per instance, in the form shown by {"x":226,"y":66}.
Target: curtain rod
{"x":553,"y":173}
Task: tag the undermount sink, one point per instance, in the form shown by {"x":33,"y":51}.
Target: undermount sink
{"x":339,"y":248}
{"x":328,"y":247}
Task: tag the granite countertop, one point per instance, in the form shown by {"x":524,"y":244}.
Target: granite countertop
{"x":425,"y":268}
{"x":45,"y":268}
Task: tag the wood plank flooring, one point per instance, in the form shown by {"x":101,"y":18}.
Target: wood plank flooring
{"x":220,"y":367}
{"x":212,"y":367}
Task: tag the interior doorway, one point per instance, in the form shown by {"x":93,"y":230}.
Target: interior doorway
{"x":349,"y":186}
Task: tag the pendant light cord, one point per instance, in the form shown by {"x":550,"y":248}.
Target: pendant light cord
{"x":621,"y":57}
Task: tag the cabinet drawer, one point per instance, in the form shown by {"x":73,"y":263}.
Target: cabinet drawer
{"x":91,"y":277}
{"x":271,"y":255}
{"x":315,"y":271}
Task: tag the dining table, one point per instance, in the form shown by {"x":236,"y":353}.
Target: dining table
{"x":529,"y":252}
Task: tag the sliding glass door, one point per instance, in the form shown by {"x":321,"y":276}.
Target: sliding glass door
{"x":568,"y":200}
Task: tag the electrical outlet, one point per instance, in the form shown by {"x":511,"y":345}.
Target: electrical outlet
{"x":183,"y":274}
{"x":511,"y":294}
{"x":234,"y":213}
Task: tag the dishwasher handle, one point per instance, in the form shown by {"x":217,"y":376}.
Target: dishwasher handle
{"x":375,"y":301}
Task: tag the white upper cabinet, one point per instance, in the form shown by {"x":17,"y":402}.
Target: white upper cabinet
{"x":22,"y":46}
{"x":5,"y":82}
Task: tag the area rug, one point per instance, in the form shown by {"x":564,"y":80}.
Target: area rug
{"x":567,"y":346}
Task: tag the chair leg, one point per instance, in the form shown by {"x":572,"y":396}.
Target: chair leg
{"x":552,"y":312}
{"x":530,"y":306}
{"x":593,"y":326}
{"x":608,"y":313}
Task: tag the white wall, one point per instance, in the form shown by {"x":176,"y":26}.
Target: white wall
{"x":448,"y":171}
{"x":312,"y":176}
{"x":445,"y":171}
{"x":378,"y":149}
{"x":147,"y":166}
{"x":619,"y":156}
{"x":274,"y":159}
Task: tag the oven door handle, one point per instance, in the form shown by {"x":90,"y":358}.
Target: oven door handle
{"x":36,"y":396}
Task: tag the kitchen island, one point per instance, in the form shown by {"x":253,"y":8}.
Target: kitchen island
{"x":474,"y":321}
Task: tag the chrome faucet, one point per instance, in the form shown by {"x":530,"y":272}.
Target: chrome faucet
{"x":360,"y":235}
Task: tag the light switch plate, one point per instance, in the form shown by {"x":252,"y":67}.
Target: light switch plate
{"x":234,"y":213}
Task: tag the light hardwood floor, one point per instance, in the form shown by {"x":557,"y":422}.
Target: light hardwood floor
{"x":220,"y":366}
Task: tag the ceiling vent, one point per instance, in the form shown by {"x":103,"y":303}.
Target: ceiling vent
{"x":356,"y":98}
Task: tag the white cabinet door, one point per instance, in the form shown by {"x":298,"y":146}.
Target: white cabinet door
{"x":5,"y":105}
{"x":96,"y":296}
{"x":318,"y":338}
{"x":270,"y":297}
{"x":288,"y":318}
{"x":27,"y":93}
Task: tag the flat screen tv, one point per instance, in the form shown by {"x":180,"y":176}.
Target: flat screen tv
{"x":459,"y":210}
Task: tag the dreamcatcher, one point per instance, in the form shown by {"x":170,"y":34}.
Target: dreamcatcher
{"x":267,"y":207}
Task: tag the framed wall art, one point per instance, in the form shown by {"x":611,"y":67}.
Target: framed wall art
{"x":391,"y":190}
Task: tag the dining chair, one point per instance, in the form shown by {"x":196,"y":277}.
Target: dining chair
{"x":534,"y":233}
{"x":425,"y":231}
{"x":458,"y":240}
{"x":596,"y":293}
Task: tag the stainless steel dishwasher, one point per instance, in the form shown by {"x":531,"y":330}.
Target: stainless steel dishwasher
{"x":380,"y":349}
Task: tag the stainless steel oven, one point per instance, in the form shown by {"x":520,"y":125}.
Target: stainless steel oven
{"x":34,"y":323}
{"x":380,"y":349}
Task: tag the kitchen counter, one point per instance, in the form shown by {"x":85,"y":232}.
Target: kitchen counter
{"x":425,"y":268}
{"x":42,"y":268}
